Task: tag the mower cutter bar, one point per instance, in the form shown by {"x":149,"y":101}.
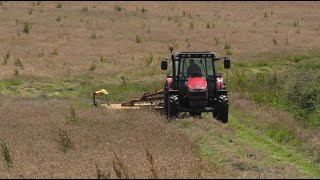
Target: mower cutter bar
{"x":156,"y":96}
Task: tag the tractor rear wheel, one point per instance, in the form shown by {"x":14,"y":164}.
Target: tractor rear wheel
{"x":221,"y":111}
{"x":195,"y":114}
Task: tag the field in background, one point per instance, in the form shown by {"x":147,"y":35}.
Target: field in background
{"x":53,"y":55}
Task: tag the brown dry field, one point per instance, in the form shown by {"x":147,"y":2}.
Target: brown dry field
{"x":54,"y":49}
{"x":242,"y":25}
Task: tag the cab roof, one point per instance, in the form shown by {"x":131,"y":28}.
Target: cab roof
{"x":195,"y":53}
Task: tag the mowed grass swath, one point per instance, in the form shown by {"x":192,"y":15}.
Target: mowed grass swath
{"x":54,"y":55}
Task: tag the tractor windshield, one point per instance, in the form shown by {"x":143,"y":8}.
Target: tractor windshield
{"x":195,"y":67}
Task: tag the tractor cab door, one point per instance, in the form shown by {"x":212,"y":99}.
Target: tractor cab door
{"x":210,"y":76}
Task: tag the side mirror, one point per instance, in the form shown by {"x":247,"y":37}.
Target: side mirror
{"x":164,"y":64}
{"x":226,"y":63}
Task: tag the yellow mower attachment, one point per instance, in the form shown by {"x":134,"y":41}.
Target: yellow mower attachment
{"x":101,"y":92}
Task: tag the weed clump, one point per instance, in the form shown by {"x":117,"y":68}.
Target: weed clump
{"x":118,"y":8}
{"x":58,"y":18}
{"x":6,"y":58}
{"x":227,"y":48}
{"x":18,"y":63}
{"x":72,"y":117}
{"x":26,"y":27}
{"x":138,"y":39}
{"x":16,"y":73}
{"x":58,"y":5}
{"x":275,"y":41}
{"x":85,"y":9}
{"x":6,"y":155}
{"x":93,"y":36}
{"x":64,"y":141}
{"x":92,"y":67}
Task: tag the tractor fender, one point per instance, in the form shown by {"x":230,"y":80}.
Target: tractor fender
{"x":169,"y":82}
{"x":219,"y":83}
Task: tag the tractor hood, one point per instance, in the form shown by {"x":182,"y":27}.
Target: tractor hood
{"x":197,"y":84}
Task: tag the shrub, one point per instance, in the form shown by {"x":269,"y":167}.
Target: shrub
{"x":16,"y":73}
{"x":188,"y":42}
{"x":138,"y":39}
{"x":227,"y":48}
{"x":118,"y":8}
{"x":72,"y":117}
{"x":26,"y":27}
{"x":6,"y":58}
{"x":92,"y":67}
{"x":93,"y":36}
{"x":103,"y":59}
{"x":58,"y":18}
{"x":296,"y":23}
{"x":302,"y":89}
{"x":6,"y":155}
{"x":191,"y":25}
{"x":64,"y":141}
{"x":143,"y":10}
{"x":124,"y":81}
{"x":58,"y":5}
{"x":275,"y":41}
{"x":54,"y":53}
{"x":216,"y":40}
{"x":149,"y":59}
{"x":30,"y":11}
{"x":18,"y":63}
{"x":85,"y":9}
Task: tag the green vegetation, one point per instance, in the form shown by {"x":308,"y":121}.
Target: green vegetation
{"x":16,"y":72}
{"x":227,"y":48}
{"x":6,"y":155}
{"x":138,"y":39}
{"x":30,"y":11}
{"x":280,"y":153}
{"x":6,"y":58}
{"x":296,"y":23}
{"x":291,"y":84}
{"x":58,"y":5}
{"x":79,"y":89}
{"x":93,"y":35}
{"x":191,"y":25}
{"x":64,"y":141}
{"x":18,"y":63}
{"x":85,"y":9}
{"x":72,"y":117}
{"x":26,"y":27}
{"x":118,"y":8}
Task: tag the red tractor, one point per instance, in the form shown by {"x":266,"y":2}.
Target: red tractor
{"x":194,"y":86}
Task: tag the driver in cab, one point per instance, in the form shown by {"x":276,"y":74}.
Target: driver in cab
{"x":193,"y":68}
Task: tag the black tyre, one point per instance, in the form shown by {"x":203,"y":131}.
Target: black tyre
{"x":172,"y":106}
{"x":165,"y":100}
{"x":195,"y":114}
{"x":221,"y":111}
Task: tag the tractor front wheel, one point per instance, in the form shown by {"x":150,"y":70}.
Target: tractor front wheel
{"x":172,"y":106}
{"x":221,"y":111}
{"x":195,"y":114}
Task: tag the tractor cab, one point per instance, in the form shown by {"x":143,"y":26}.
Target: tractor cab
{"x":194,"y":85}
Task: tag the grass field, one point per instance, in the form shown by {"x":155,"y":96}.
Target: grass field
{"x":53,"y":55}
